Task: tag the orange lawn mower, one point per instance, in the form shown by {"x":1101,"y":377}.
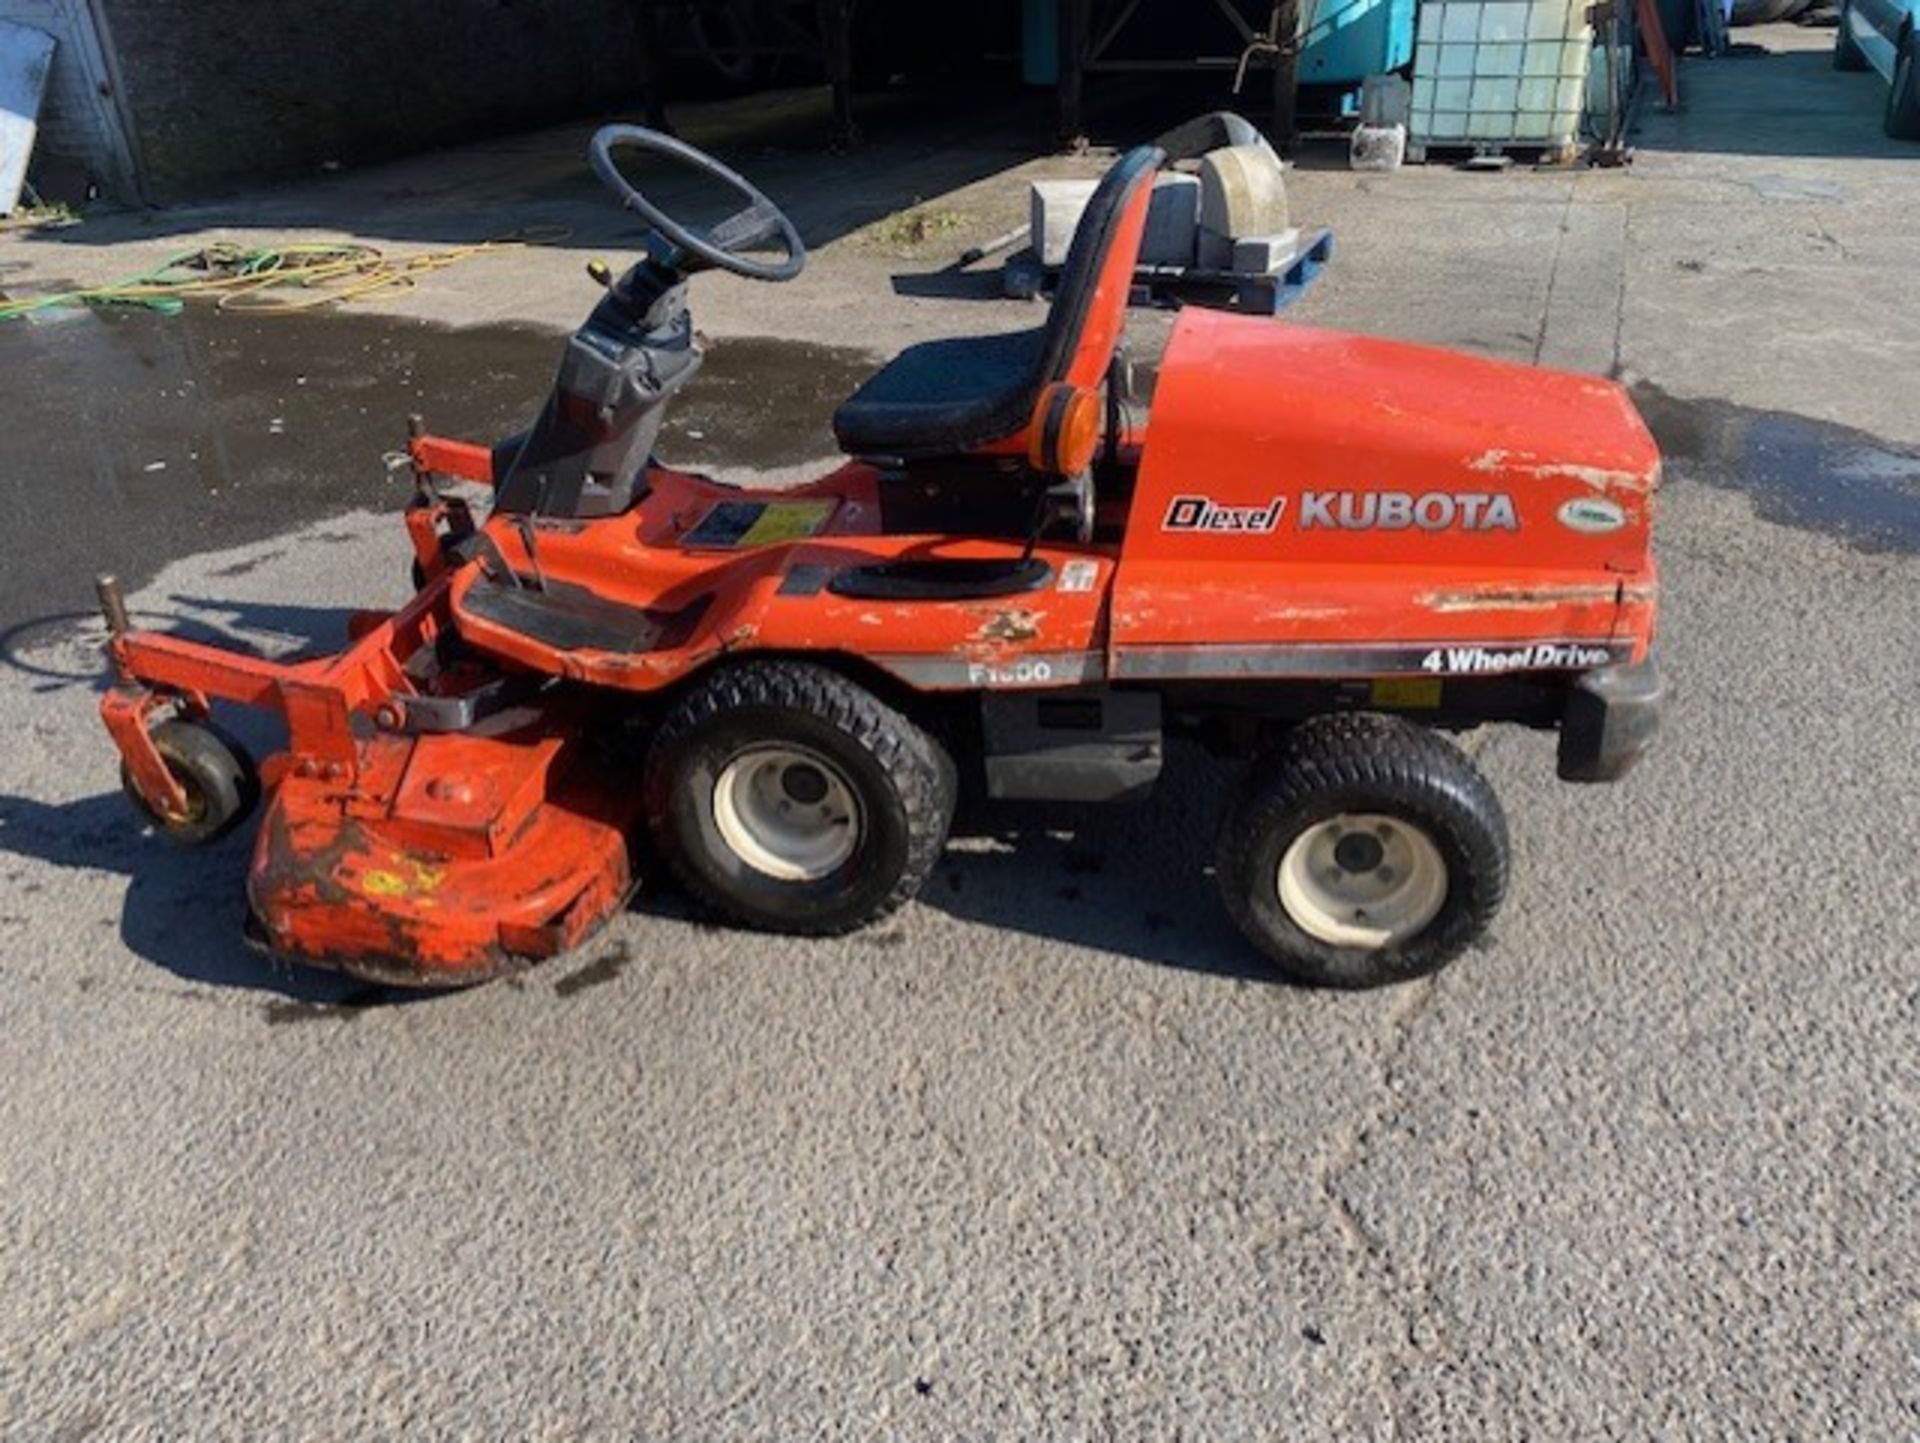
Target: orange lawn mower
{"x":1314,"y":551}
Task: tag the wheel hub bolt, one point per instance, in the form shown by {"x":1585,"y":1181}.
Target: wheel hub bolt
{"x":1358,"y":852}
{"x":804,"y":784}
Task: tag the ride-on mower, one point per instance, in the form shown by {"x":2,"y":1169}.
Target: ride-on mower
{"x":1315,"y":551}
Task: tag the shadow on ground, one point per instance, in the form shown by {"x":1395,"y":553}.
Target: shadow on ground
{"x":1774,"y":102}
{"x":1135,"y":880}
{"x":1132,"y":881}
{"x":918,"y":142}
{"x":184,"y":909}
{"x":921,"y":142}
{"x":64,"y":649}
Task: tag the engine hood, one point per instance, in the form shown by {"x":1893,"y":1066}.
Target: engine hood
{"x":1366,"y":450}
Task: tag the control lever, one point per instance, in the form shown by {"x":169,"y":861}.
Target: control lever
{"x":524,"y":524}
{"x":528,"y":540}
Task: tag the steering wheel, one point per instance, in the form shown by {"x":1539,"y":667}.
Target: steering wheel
{"x":724,"y":245}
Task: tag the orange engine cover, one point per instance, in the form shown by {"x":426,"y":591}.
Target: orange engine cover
{"x":1325,"y":490}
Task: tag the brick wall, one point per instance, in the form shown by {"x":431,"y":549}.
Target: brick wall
{"x":224,"y":91}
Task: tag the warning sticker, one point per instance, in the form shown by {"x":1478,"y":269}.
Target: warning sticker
{"x":1406,"y":691}
{"x":1078,"y":575}
{"x":732,"y":525}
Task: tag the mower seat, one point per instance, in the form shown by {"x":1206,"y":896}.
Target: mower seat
{"x":942,"y":398}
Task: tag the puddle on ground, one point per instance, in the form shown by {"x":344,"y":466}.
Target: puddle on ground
{"x":1815,"y":475}
{"x":133,"y":439}
{"x":762,"y":403}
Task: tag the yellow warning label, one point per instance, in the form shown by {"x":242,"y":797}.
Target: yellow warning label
{"x":730,"y":525}
{"x":787,"y":521}
{"x":1406,"y":691}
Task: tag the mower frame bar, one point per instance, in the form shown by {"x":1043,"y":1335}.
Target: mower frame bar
{"x":318,"y":697}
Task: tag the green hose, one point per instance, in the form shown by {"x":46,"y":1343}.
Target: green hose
{"x":281,"y":280}
{"x":220,"y":267}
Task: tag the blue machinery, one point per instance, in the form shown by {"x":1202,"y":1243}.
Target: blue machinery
{"x":1339,"y":42}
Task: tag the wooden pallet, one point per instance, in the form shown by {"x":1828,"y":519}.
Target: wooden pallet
{"x":1492,"y":154}
{"x":1173,"y":286}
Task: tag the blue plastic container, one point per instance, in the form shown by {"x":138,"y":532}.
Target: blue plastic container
{"x":1348,"y":40}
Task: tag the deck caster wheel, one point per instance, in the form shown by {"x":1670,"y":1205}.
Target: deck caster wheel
{"x":789,"y":799}
{"x":1364,"y":850}
{"x":216,"y":773}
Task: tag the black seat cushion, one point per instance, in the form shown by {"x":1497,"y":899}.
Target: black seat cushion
{"x":943,"y":397}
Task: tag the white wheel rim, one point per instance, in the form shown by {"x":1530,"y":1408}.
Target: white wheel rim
{"x":1363,"y":879}
{"x":788,"y":812}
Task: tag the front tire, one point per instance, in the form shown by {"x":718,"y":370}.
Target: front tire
{"x":219,"y":778}
{"x":1363,"y":850}
{"x":789,"y":799}
{"x":1903,"y":97}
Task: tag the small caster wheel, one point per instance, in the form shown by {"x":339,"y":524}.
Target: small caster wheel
{"x":217,"y":774}
{"x":1363,"y":850}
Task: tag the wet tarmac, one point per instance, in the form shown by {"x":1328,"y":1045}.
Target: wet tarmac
{"x":1799,"y":471}
{"x":133,"y":439}
{"x":761,"y":404}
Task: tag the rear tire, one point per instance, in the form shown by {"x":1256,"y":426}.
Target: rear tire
{"x":1903,"y":97}
{"x":1847,"y":54}
{"x":1363,"y":850}
{"x":219,"y":777}
{"x":789,"y":799}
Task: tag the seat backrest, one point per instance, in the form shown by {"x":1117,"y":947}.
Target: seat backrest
{"x":1090,"y":303}
{"x":977,"y":393}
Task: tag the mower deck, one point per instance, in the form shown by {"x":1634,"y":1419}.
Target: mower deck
{"x":457,"y":859}
{"x":431,"y":823}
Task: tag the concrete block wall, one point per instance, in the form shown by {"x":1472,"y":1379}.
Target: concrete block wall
{"x":221,"y":92}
